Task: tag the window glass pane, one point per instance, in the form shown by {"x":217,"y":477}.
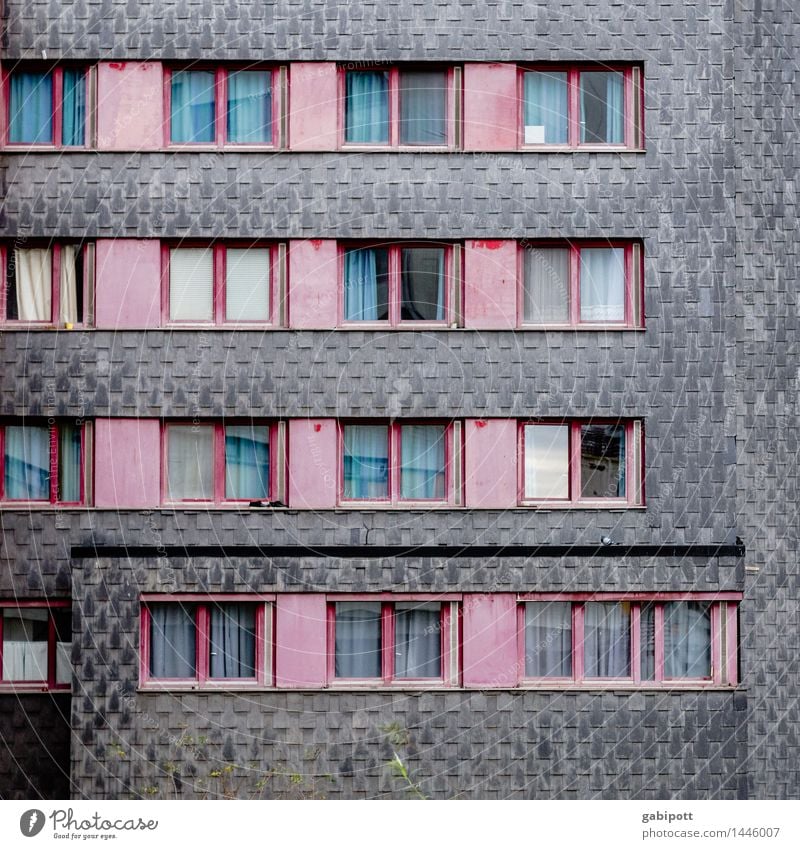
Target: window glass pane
{"x":366,"y":461}
{"x":546,"y":461}
{"x":233,"y":641}
{"x":246,"y":462}
{"x":687,"y":640}
{"x":31,"y":108}
{"x":191,"y":284}
{"x":418,"y":640}
{"x":73,"y":116}
{"x":25,"y":645}
{"x":62,"y":619}
{"x":603,"y":461}
{"x":545,"y":108}
{"x":68,"y":285}
{"x":607,"y":640}
{"x":422,"y":473}
{"x":193,"y":106}
{"x":358,"y":640}
{"x":172,"y":641}
{"x":547,"y":285}
{"x":422,"y":284}
{"x":647,"y":651}
{"x":33,"y":270}
{"x":366,"y":284}
{"x":603,"y":284}
{"x":423,"y":107}
{"x":548,"y":639}
{"x":247,"y":284}
{"x":250,"y":107}
{"x":69,"y":463}
{"x":27,"y":463}
{"x":367,"y":107}
{"x":190,"y":462}
{"x":602,"y":110}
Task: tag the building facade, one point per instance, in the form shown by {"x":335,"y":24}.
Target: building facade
{"x":396,"y":381}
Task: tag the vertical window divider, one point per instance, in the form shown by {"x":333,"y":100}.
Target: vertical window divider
{"x":387,"y":641}
{"x":395,"y":287}
{"x":87,"y":463}
{"x":716,"y":644}
{"x":218,"y":454}
{"x":521,"y":614}
{"x":394,"y":107}
{"x":53,"y":463}
{"x":331,"y":641}
{"x":278,"y":299}
{"x":575,"y":461}
{"x":279,"y":459}
{"x":144,"y":643}
{"x":2,"y":662}
{"x":5,"y":258}
{"x":628,"y":107}
{"x":51,"y":650}
{"x":455,"y":91}
{"x":574,"y":270}
{"x":220,"y":106}
{"x":280,"y":133}
{"x":55,"y":284}
{"x":57,"y":107}
{"x":456,"y":317}
{"x":264,"y":645}
{"x":636,"y":642}
{"x":732,"y":644}
{"x":456,"y":435}
{"x":578,"y":611}
{"x":218,"y":266}
{"x":202,"y":643}
{"x":2,"y":486}
{"x":90,"y":81}
{"x":658,"y":640}
{"x":636,"y":285}
{"x":628,"y":283}
{"x":89,"y":276}
{"x":573,"y":108}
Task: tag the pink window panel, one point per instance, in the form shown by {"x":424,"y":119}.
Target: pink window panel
{"x":313,"y":106}
{"x":490,"y":455}
{"x":313,"y":468}
{"x":127,"y":455}
{"x":490,"y":640}
{"x":313,"y":284}
{"x":490,"y":284}
{"x":301,"y":658}
{"x":130,"y":111}
{"x":490,"y":107}
{"x":128,"y":283}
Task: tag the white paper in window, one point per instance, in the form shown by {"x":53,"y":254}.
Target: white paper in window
{"x":534,"y":134}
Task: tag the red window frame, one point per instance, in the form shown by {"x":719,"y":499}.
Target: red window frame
{"x":449,"y":631}
{"x":219,"y":253}
{"x":633,"y":98}
{"x":218,"y":459}
{"x":54,"y":427}
{"x":395,"y":295}
{"x":264,"y":641}
{"x":394,"y":498}
{"x":724,"y":640}
{"x":634,"y":464}
{"x":634,"y":286}
{"x":221,"y":108}
{"x":451,"y":111}
{"x":39,"y":686}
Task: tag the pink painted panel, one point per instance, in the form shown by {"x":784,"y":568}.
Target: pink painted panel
{"x":490,"y":640}
{"x":313,"y":106}
{"x":490,"y":107}
{"x":490,"y":283}
{"x":127,"y":463}
{"x":313,"y":284}
{"x":301,"y":651}
{"x":130,"y":106}
{"x":490,"y":460}
{"x":313,"y":464}
{"x":128,"y":284}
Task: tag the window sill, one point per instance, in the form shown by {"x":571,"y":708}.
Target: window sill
{"x":32,"y":687}
{"x":27,"y":326}
{"x":195,"y":687}
{"x":581,"y":328}
{"x":582,"y":148}
{"x":616,"y":506}
{"x":40,"y":505}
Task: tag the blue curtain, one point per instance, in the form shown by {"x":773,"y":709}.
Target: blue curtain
{"x":193,"y":106}
{"x":422,"y":284}
{"x":250,"y":107}
{"x":172,"y":641}
{"x":73,"y":127}
{"x":422,"y":474}
{"x":367,"y":107}
{"x":31,"y":109}
{"x":546,"y":107}
{"x":358,"y":640}
{"x":27,"y":463}
{"x":360,"y":285}
{"x":423,"y":105}
{"x":233,"y":641}
{"x":366,"y":461}
{"x":69,"y":463}
{"x":615,"y":112}
{"x":602,"y":284}
{"x":246,"y":462}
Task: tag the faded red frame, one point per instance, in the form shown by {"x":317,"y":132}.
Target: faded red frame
{"x":202,"y":603}
{"x":51,"y":683}
{"x":633,"y":76}
{"x":221,"y":108}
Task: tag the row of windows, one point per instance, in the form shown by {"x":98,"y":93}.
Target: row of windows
{"x":561,"y":284}
{"x":383,"y":106}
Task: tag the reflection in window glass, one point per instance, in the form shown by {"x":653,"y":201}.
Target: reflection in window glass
{"x":602,"y":461}
{"x":547,"y":461}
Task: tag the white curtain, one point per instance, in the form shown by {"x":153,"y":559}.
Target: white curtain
{"x":27,"y":463}
{"x":68,"y":300}
{"x":602,"y":284}
{"x":647,"y":628}
{"x":358,"y":640}
{"x":191,"y":284}
{"x":25,"y":645}
{"x":687,"y":640}
{"x":548,"y":639}
{"x":422,"y":474}
{"x":233,"y":641}
{"x":546,"y":286}
{"x":34,"y":271}
{"x":423,"y":104}
{"x":417,"y":639}
{"x":247,"y":284}
{"x":366,"y":461}
{"x":607,"y":640}
{"x":172,"y":641}
{"x":546,"y":461}
{"x":190,"y":462}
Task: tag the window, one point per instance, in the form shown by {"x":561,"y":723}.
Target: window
{"x":221,"y":462}
{"x":47,"y":107}
{"x":582,"y":462}
{"x":401,"y":641}
{"x":224,"y":640}
{"x":45,"y":462}
{"x":605,"y":638}
{"x":35,"y":645}
{"x":397,"y":284}
{"x":399,"y":106}
{"x":394,"y":463}
{"x":582,"y":284}
{"x":222,"y":107}
{"x":48,"y":285}
{"x":222,"y":284}
{"x":592,"y":106}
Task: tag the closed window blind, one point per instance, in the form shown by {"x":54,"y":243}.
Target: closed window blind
{"x":191,"y":284}
{"x":247,"y":284}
